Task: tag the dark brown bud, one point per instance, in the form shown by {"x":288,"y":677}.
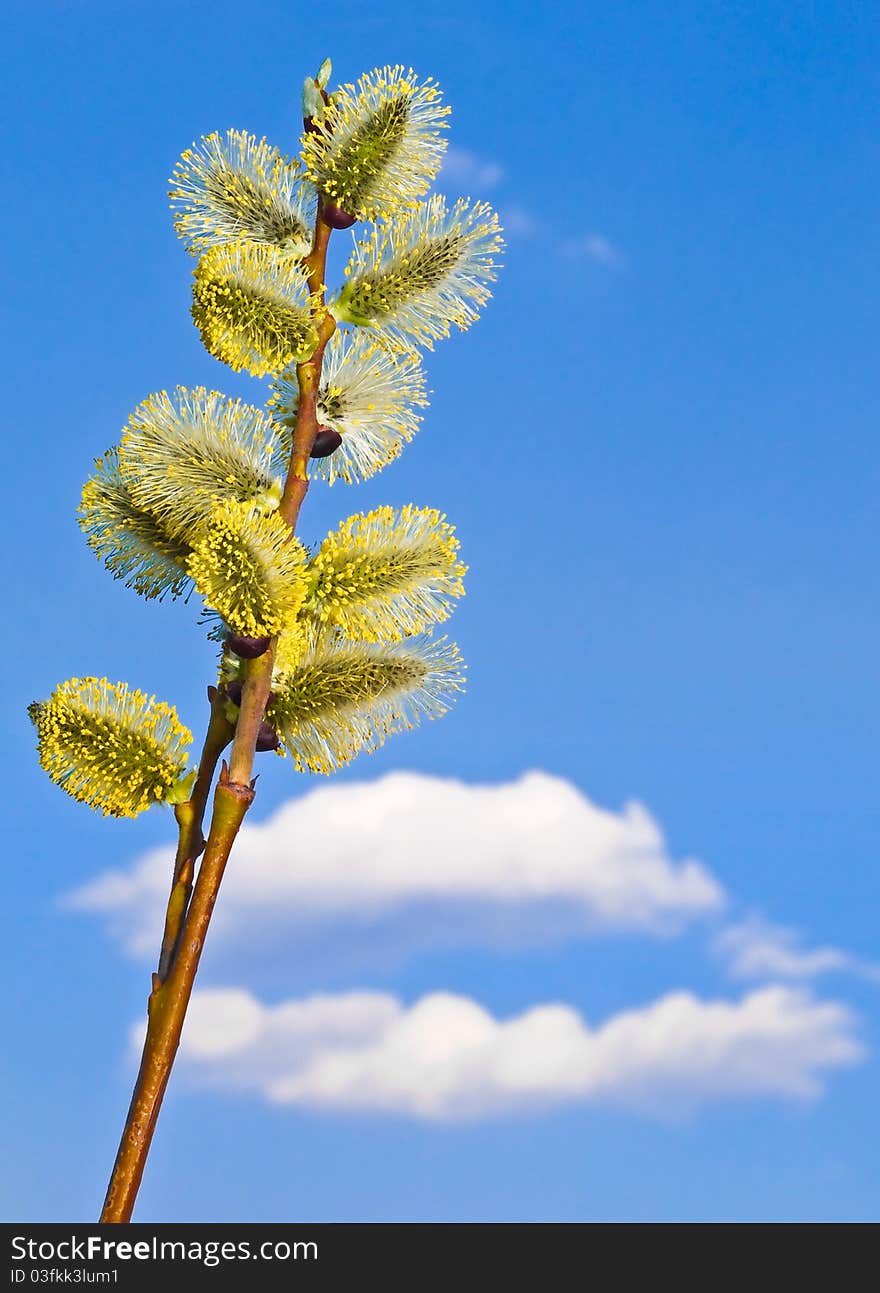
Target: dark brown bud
{"x":335,"y":216}
{"x":327,"y":441}
{"x":234,"y":689}
{"x":267,"y":738}
{"x":247,"y":648}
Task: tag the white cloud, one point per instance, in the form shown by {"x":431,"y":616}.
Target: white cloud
{"x":468,"y":172}
{"x":756,"y":949}
{"x":446,"y":1058}
{"x":595,"y":247}
{"x":417,"y":858}
{"x":517,"y":222}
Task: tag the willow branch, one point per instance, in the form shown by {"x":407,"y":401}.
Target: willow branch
{"x":308,"y":376}
{"x":187,"y":925}
{"x":190,"y":840}
{"x":168,"y":1004}
{"x":258,"y":673}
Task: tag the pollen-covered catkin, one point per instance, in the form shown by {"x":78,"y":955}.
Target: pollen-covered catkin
{"x":417,"y":276}
{"x":133,"y":543}
{"x":387,"y":574}
{"x":379,"y":144}
{"x":111,"y":747}
{"x":339,"y":698}
{"x":250,"y":569}
{"x":183,"y":452}
{"x":367,"y":395}
{"x":251,"y":306}
{"x":233,"y":187}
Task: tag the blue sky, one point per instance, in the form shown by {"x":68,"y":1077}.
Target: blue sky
{"x":659,"y":448}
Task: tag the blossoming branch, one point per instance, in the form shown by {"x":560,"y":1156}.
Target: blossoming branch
{"x":322,"y":653}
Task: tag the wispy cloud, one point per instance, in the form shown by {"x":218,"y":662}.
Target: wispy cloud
{"x":446,"y":1058}
{"x":757,"y":949}
{"x":595,"y":247}
{"x":439,"y":861}
{"x":517,"y":222}
{"x":468,"y":172}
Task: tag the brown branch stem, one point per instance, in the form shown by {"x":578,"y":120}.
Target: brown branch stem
{"x":254,"y":697}
{"x":308,"y":377}
{"x":258,"y":673}
{"x":188,"y":917}
{"x":190,"y":841}
{"x":168,"y":1002}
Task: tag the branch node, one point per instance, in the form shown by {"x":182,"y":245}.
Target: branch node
{"x":244,"y":794}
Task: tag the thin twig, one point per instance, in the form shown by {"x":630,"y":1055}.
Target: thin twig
{"x":190,"y":840}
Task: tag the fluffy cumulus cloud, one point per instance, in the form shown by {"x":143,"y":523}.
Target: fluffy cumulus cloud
{"x":756,"y":949}
{"x":445,"y":1058}
{"x":431,"y":860}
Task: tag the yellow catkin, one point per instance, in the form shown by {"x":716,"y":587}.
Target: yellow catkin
{"x":367,"y":395}
{"x":111,"y":747}
{"x":133,"y":544}
{"x":379,"y":144}
{"x":235,"y":187}
{"x":417,"y":276}
{"x":339,"y":697}
{"x":387,"y":574}
{"x":183,"y":451}
{"x":251,"y":306}
{"x":250,"y":569}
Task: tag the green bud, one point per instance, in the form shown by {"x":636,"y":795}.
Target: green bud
{"x":182,"y":791}
{"x":312,"y":100}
